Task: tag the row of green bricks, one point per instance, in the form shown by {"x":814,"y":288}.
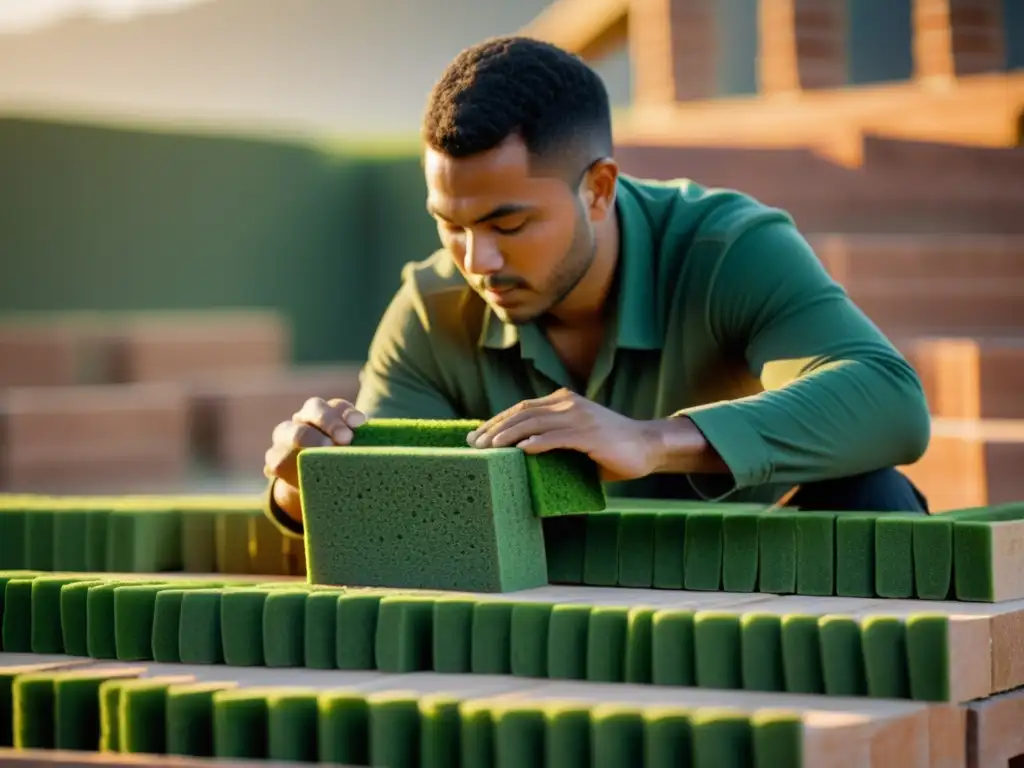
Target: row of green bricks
{"x":142,"y":534}
{"x":967,"y":555}
{"x":129,"y":710}
{"x":803,"y":649}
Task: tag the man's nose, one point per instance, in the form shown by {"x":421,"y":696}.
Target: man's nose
{"x":482,"y":255}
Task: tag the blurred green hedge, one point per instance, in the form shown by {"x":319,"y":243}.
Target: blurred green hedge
{"x":101,"y":217}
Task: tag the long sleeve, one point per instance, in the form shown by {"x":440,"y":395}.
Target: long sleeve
{"x":838,"y":397}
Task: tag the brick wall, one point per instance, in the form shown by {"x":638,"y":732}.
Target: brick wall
{"x":672,"y":50}
{"x":803,"y":45}
{"x":958,"y":37}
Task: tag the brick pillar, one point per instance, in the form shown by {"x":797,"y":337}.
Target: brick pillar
{"x":803,"y":45}
{"x":672,"y":50}
{"x":958,"y":37}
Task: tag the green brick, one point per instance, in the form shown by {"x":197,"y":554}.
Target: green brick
{"x":17,"y":618}
{"x":801,"y":654}
{"x":565,"y":545}
{"x":241,"y":626}
{"x":855,"y":554}
{"x":190,"y":718}
{"x":842,"y":656}
{"x":14,"y":542}
{"x":47,"y":636}
{"x":777,"y":553}
{"x":672,"y":648}
{"x":740,"y":551}
{"x":567,"y":642}
{"x":491,"y":653}
{"x":933,"y":557}
{"x":975,"y":547}
{"x":601,"y":554}
{"x":816,"y":553}
{"x":449,"y":518}
{"x":722,"y":738}
{"x":404,"y":641}
{"x":40,"y":539}
{"x":356,"y":633}
{"x":284,"y":623}
{"x":70,"y":540}
{"x":344,"y":728}
{"x":452,"y":632}
{"x":528,"y":648}
{"x":884,"y":640}
{"x":618,"y":735}
{"x":717,"y":649}
{"x":440,"y":731}
{"x":147,"y":541}
{"x":606,"y":644}
{"x":394,"y":729}
{"x":636,"y":549}
{"x":639,"y":644}
{"x":321,"y":629}
{"x":667,"y":737}
{"x":894,"y":556}
{"x":761,"y":652}
{"x":703,"y":551}
{"x":669,"y":548}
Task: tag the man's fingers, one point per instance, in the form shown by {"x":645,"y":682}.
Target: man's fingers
{"x":518,"y":410}
{"x":327,"y":418}
{"x":537,"y":423}
{"x":349,"y":413}
{"x":557,"y":439}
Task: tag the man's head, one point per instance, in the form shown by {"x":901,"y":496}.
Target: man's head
{"x":518,"y":142}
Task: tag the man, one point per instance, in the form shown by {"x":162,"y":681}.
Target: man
{"x":687,"y":339}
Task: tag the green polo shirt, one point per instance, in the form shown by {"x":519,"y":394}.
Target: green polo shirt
{"x":721,"y":312}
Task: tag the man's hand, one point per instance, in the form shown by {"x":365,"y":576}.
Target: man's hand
{"x":317,"y":424}
{"x":624,"y":448}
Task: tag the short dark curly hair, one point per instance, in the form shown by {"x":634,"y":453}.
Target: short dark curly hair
{"x":517,"y":85}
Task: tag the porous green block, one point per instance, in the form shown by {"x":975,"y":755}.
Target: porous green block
{"x":617,"y":735}
{"x":74,"y":616}
{"x":776,"y":534}
{"x":144,"y":541}
{"x":190,"y":718}
{"x":561,"y":482}
{"x":976,"y":538}
{"x":565,"y":545}
{"x":718,"y":658}
{"x":491,"y":652}
{"x":601,"y":558}
{"x":778,"y":739}
{"x":894,"y":555}
{"x":17,"y":618}
{"x":96,"y":540}
{"x":70,"y":540}
{"x":47,"y":636}
{"x":356,"y":630}
{"x":667,"y":738}
{"x":568,"y":735}
{"x":101,"y":641}
{"x":440,"y":731}
{"x":606,"y":644}
{"x":452,"y":634}
{"x":39,"y":539}
{"x":199,"y":629}
{"x":639,"y":644}
{"x":721,"y":738}
{"x":292,"y":726}
{"x":344,"y":728}
{"x":933,"y":557}
{"x":14,"y":542}
{"x":567,"y":641}
{"x":198,"y":541}
{"x":636,"y":549}
{"x":142,"y":716}
{"x":739,"y":551}
{"x":761,"y":652}
{"x":240,"y":724}
{"x":816,"y":553}
{"x":528,"y":642}
{"x":855,"y":554}
{"x":519,"y":731}
{"x":801,"y":654}
{"x":476,"y":735}
{"x":884,"y":640}
{"x":109,"y":696}
{"x":448,"y":518}
{"x":284,"y":623}
{"x":842,"y":656}
{"x":669,"y":549}
{"x":134,"y":610}
{"x":321,"y":631}
{"x":241,"y":626}
{"x":77,"y":710}
{"x":929,"y":657}
{"x":404,"y":641}
{"x":703,"y":551}
{"x":394,"y":728}
{"x":672,"y":647}
{"x":167,"y":626}
{"x":32,"y":707}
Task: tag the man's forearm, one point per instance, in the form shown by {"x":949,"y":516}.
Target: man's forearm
{"x":680,"y":448}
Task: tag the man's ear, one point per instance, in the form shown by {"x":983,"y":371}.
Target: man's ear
{"x":599,"y":188}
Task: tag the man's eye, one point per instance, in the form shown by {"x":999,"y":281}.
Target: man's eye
{"x":509,"y":230}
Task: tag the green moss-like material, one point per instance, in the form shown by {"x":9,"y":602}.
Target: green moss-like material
{"x":740,"y":551}
{"x":894,"y":556}
{"x":703,"y":551}
{"x":601,"y":560}
{"x":447,"y":518}
{"x":561,"y":482}
{"x":815,"y":553}
{"x":717,"y":641}
{"x":933,"y":557}
{"x":606,"y":644}
{"x":636,"y":549}
{"x":855,"y":554}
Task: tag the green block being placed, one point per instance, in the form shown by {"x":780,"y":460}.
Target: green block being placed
{"x":894,"y":555}
{"x":560,"y":482}
{"x":448,"y":518}
{"x":855,"y":554}
{"x":933,"y":557}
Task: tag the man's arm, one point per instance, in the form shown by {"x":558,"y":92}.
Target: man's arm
{"x":839,"y":399}
{"x":399,"y":380}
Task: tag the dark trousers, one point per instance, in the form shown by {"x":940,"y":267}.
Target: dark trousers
{"x":883,"y":490}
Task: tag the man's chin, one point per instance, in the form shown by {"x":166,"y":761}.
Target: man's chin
{"x":518,"y":315}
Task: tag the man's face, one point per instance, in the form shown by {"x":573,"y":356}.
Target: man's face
{"x":522,"y":240}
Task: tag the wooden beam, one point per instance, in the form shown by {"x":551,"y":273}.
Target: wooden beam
{"x":589,"y":28}
{"x":672,"y":50}
{"x":953,"y":38}
{"x":803,"y":45}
